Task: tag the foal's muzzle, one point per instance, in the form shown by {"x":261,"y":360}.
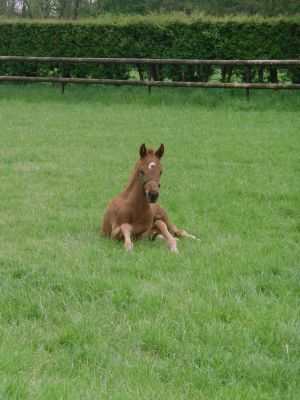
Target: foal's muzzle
{"x":153,"y":195}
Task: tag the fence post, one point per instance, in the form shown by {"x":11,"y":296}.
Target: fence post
{"x":149,"y":88}
{"x":247,"y":81}
{"x":62,"y":75}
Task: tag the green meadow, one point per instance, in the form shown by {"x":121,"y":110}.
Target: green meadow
{"x":80,"y":318}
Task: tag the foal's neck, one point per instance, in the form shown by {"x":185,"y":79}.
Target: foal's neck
{"x":134,"y":190}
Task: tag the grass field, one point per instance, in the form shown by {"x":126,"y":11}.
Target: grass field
{"x":79,"y":318}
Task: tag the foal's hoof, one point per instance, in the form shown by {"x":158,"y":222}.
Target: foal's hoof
{"x":173,"y":246}
{"x":188,"y":235}
{"x":195,"y":238}
{"x":128,"y":247}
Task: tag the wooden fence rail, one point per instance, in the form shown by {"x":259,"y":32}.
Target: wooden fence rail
{"x":175,"y":61}
{"x":119,"y":82}
{"x":150,"y":61}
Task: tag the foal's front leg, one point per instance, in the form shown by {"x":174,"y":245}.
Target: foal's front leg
{"x":124,"y":230}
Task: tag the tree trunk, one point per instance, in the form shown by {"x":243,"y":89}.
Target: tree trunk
{"x":141,"y":72}
{"x":260,"y":74}
{"x":76,"y":7}
{"x":153,"y":72}
{"x":273,"y":75}
{"x":229,"y":75}
{"x":223,"y":73}
{"x":28,"y":9}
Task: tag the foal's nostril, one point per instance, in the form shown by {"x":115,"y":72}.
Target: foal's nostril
{"x":153,"y":195}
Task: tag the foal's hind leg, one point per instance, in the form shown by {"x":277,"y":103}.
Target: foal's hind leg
{"x":162,"y":227}
{"x":180,"y":232}
{"x":160,"y":213}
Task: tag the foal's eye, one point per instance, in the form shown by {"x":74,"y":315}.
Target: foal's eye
{"x":142,"y":173}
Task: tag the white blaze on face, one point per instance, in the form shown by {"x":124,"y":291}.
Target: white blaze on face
{"x":151,"y":165}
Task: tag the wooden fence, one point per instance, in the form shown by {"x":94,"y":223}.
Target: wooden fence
{"x":154,"y":83}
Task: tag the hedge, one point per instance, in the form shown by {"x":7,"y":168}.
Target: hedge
{"x":157,"y":36}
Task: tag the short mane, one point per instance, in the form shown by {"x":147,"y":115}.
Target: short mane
{"x":133,"y":173}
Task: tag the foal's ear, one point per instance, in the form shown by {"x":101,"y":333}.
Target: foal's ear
{"x":160,"y":151}
{"x":143,"y":150}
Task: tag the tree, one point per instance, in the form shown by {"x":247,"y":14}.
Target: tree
{"x":74,"y":9}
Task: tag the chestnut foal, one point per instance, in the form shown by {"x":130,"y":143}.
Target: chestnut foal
{"x":134,"y":213}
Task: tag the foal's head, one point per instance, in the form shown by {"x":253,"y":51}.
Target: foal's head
{"x":150,"y":170}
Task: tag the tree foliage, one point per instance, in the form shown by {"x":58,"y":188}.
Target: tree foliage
{"x":73,"y":9}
